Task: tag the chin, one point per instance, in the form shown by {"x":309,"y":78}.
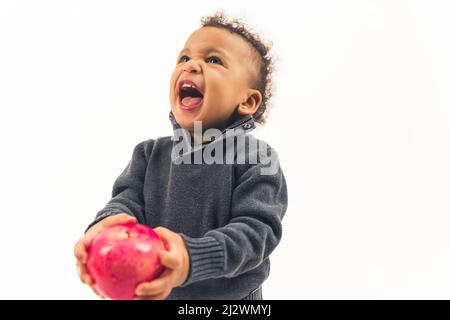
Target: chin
{"x":183,"y":121}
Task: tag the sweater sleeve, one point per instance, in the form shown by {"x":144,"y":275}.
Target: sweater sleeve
{"x":259,"y":202}
{"x":127,"y":191}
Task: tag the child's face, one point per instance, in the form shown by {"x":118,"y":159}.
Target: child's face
{"x":219,"y":64}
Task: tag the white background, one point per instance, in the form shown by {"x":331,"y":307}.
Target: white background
{"x":361,"y":122}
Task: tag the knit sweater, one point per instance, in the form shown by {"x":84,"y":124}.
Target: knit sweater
{"x":229,"y":214}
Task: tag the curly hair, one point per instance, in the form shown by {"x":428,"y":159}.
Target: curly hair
{"x":265,"y":60}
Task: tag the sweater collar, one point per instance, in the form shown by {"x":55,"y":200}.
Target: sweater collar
{"x":244,"y":124}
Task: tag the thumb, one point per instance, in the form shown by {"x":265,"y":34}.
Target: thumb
{"x":121,"y":218}
{"x":169,"y":260}
{"x":110,"y":221}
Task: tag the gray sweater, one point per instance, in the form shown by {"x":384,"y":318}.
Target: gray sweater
{"x":228,"y":214}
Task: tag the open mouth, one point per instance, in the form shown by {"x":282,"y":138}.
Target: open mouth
{"x":190,"y":96}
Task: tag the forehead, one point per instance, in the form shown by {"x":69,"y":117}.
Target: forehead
{"x":210,"y":38}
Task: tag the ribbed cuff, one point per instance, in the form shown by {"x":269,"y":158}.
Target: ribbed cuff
{"x":206,"y":258}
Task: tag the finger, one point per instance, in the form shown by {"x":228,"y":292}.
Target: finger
{"x":86,"y":279}
{"x":119,"y":219}
{"x":80,"y":251}
{"x":155,"y":286}
{"x":147,"y":290}
{"x":142,"y":298}
{"x":80,"y":272}
{"x":165,"y":235}
{"x":110,"y":221}
{"x":155,"y":297}
{"x":169,"y":260}
{"x":83,"y":274}
{"x":160,"y":230}
{"x":86,"y":242}
{"x":160,"y":296}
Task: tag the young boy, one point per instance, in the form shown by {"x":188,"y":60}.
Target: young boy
{"x":219,"y":220}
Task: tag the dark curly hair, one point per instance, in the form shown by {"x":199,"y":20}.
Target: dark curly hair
{"x":264,"y":59}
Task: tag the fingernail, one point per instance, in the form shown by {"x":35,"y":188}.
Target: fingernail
{"x":78,"y":271}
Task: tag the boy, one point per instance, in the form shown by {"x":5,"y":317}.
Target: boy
{"x":219,"y":219}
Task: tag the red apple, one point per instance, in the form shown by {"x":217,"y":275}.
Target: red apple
{"x":123,"y":256}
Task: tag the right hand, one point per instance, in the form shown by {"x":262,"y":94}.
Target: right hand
{"x":82,"y":246}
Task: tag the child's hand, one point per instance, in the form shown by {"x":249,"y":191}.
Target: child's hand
{"x":176,"y":260}
{"x":82,"y":246}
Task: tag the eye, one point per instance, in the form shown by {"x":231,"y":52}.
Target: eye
{"x":183,"y":59}
{"x":214,"y":60}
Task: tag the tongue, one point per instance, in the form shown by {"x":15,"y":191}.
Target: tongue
{"x":191,"y":101}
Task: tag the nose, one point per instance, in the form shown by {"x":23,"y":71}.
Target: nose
{"x":191,"y":66}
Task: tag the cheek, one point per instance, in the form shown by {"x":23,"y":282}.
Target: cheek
{"x":173,"y":78}
{"x":222,"y":91}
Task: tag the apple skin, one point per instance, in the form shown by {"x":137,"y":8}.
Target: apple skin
{"x":123,"y":256}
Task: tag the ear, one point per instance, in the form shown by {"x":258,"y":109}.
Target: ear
{"x":250,"y":104}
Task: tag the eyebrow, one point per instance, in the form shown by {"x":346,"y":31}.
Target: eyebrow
{"x":210,"y":50}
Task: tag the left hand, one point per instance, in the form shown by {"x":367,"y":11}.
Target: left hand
{"x":176,"y":260}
